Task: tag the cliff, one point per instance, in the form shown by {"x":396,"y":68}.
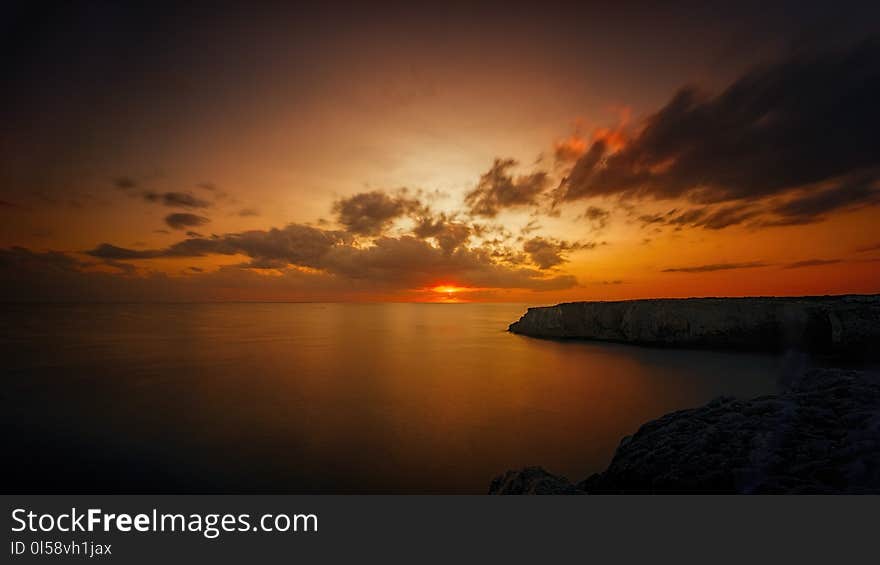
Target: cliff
{"x":822,"y":435}
{"x":828,"y":324}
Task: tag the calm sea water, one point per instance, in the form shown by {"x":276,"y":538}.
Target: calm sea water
{"x":428,"y":398}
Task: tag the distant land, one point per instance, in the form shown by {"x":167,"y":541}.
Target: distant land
{"x":847,"y":324}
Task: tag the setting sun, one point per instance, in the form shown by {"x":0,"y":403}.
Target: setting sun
{"x":447,"y":289}
{"x":447,"y":293}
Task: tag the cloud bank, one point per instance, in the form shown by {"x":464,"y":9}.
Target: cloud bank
{"x":798,"y":136}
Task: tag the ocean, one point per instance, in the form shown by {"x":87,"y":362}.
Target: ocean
{"x":325,"y":398}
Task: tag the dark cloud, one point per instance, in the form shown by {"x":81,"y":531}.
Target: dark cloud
{"x":577,"y":184}
{"x":709,"y":217}
{"x":216,"y":192}
{"x":263,"y":263}
{"x":548,"y":253}
{"x":499,"y":189}
{"x":812,"y":263}
{"x":112,"y":253}
{"x":875,"y":247}
{"x":248,"y":212}
{"x":122,"y":267}
{"x":814,"y":206}
{"x":716,"y":267}
{"x":124,"y":183}
{"x":798,"y":125}
{"x":649,"y":219}
{"x":22,"y":259}
{"x":720,"y":218}
{"x":598,"y":217}
{"x":182,"y":221}
{"x":175,"y":199}
{"x":532,"y":226}
{"x":170,"y":199}
{"x":27,"y":275}
{"x":370,"y":213}
{"x":295,"y":244}
{"x":54,"y":276}
{"x":448,"y":233}
{"x":393,"y":263}
{"x":410,"y":262}
{"x":804,"y":207}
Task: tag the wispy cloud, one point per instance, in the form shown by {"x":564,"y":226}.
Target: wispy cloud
{"x":812,"y":263}
{"x":716,"y":267}
{"x":184,"y":220}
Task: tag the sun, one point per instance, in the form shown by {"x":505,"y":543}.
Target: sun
{"x":446,"y":292}
{"x":446,"y":289}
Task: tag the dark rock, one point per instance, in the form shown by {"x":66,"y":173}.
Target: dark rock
{"x":847,"y":325}
{"x":532,"y":480}
{"x":820,"y":436}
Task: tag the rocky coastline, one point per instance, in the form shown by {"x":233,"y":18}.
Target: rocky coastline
{"x":846,"y":325}
{"x":819,"y":435}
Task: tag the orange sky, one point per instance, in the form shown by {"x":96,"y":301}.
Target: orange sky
{"x":437,"y":160}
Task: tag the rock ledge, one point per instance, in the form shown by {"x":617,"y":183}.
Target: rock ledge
{"x":846,"y":325}
{"x":821,"y":436}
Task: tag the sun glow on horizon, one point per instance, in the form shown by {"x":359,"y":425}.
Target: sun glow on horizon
{"x":448,"y":289}
{"x":446,"y":292}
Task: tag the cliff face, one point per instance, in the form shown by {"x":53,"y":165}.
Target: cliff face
{"x":833,"y":324}
{"x":820,"y":436}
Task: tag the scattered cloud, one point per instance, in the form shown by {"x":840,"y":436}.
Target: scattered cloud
{"x":498,"y":189}
{"x":124,"y":183}
{"x":184,"y":220}
{"x":170,"y":199}
{"x":447,"y":232}
{"x":812,"y":263}
{"x":812,"y":206}
{"x":548,"y":253}
{"x":598,"y":217}
{"x":371,"y":213}
{"x":530,"y":227}
{"x":716,"y":267}
{"x":404,"y":262}
{"x":175,"y":199}
{"x":709,"y":217}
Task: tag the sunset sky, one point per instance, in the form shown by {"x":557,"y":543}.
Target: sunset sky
{"x":439,"y":152}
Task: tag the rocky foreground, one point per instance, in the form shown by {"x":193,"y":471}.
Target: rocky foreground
{"x":822,"y":435}
{"x":845,"y":325}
